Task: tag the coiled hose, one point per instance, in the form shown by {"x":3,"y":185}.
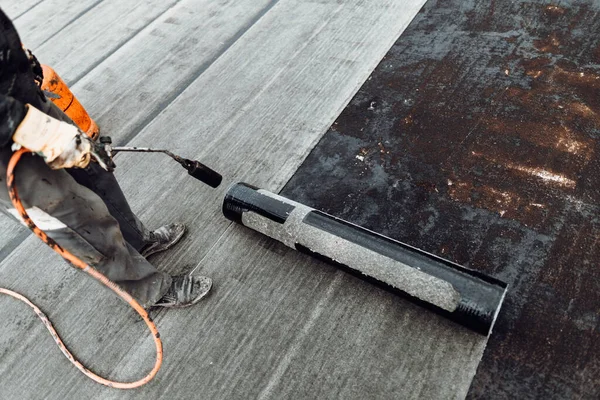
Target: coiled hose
{"x":14,"y":196}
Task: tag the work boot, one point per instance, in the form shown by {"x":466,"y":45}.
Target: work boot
{"x":163,"y":238}
{"x":185,"y":291}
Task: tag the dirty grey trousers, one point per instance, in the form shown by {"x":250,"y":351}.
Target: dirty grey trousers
{"x":85,"y":211}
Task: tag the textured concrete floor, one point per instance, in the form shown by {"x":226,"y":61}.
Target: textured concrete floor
{"x":248,"y":87}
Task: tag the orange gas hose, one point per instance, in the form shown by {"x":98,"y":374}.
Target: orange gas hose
{"x":14,"y":196}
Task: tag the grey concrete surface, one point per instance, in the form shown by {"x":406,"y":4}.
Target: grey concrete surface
{"x":46,"y":18}
{"x":248,"y":88}
{"x":15,"y":9}
{"x":79,"y":47}
{"x":12,"y":234}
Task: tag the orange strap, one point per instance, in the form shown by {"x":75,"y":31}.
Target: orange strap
{"x":14,"y":196}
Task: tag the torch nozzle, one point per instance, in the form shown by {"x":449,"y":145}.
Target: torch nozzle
{"x":201,"y":172}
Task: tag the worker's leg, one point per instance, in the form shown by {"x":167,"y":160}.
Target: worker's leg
{"x":74,"y":215}
{"x":21,"y":84}
{"x":78,"y":220}
{"x":105,"y":185}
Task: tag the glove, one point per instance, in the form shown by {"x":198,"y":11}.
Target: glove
{"x":61,"y":144}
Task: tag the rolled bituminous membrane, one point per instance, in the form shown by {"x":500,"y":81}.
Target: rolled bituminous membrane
{"x":465,"y":296}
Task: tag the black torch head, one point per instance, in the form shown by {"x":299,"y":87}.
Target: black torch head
{"x":201,"y":172}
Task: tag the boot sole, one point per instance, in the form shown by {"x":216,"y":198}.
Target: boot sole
{"x":196,"y":300}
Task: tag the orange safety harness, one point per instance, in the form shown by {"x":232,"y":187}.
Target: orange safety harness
{"x":14,"y":196}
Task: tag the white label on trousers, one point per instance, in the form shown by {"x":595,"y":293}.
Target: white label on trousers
{"x":42,"y":219}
